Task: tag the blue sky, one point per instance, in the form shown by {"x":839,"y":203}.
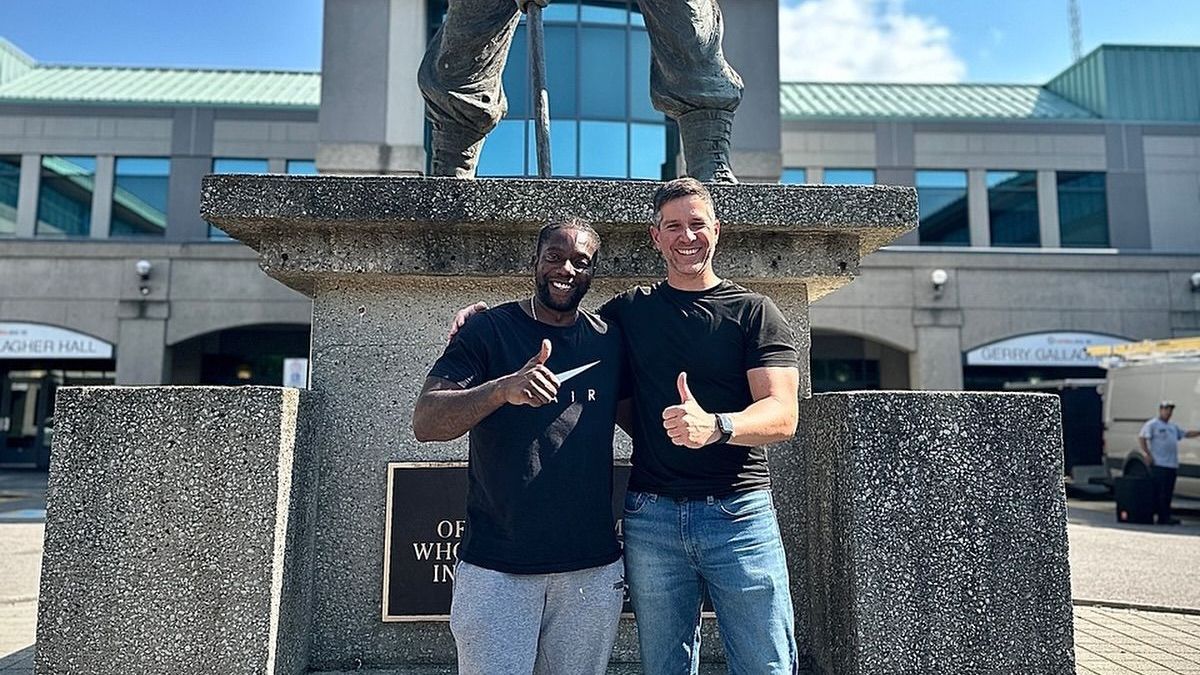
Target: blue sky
{"x":842,"y":40}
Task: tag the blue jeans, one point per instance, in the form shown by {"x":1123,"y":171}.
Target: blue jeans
{"x":675,"y":549}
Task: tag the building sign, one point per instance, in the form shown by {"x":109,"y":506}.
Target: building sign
{"x":1042,"y":349}
{"x":426,"y":520}
{"x":38,"y":341}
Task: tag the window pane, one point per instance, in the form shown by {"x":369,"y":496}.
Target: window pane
{"x":1082,"y":209}
{"x":1013,"y":208}
{"x":139,"y":207}
{"x":560,"y":10}
{"x":636,"y":18}
{"x":234,"y":165}
{"x":65,"y":197}
{"x":502,"y":151}
{"x":640,"y":107}
{"x":561,"y":77}
{"x":942,"y":196}
{"x":602,"y":151}
{"x":516,"y":77}
{"x":10,"y":183}
{"x":305,"y":167}
{"x":563,"y":148}
{"x":602,"y":66}
{"x":616,"y":14}
{"x":793,"y":176}
{"x":849,"y":176}
{"x":648,"y":150}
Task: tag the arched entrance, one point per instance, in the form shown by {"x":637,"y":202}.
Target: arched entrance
{"x":35,"y":360}
{"x":236,"y":356}
{"x":844,"y":362}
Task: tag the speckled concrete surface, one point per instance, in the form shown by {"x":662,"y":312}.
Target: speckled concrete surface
{"x":368,"y":230}
{"x":928,"y":532}
{"x":176,"y":532}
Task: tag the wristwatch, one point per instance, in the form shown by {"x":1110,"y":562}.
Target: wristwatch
{"x":725,"y":426}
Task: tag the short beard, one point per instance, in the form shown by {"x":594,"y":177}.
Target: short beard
{"x":573,"y":300}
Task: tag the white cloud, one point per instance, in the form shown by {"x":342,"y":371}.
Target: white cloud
{"x":863,"y":41}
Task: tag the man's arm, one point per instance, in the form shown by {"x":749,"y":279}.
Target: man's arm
{"x":772,"y":417}
{"x":1145,"y":450}
{"x":1191,"y":434}
{"x":445,"y":410}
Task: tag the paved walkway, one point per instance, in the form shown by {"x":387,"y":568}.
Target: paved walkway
{"x":1108,"y":560}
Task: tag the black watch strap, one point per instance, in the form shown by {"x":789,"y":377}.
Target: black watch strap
{"x":725,"y":426}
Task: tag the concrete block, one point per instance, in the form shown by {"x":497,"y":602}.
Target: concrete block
{"x":178,"y":532}
{"x":927,"y":533}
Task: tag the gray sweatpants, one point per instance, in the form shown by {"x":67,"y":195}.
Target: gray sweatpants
{"x":547,"y":624}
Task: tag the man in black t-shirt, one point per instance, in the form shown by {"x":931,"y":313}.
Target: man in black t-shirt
{"x":536,"y":383}
{"x":715,"y":378}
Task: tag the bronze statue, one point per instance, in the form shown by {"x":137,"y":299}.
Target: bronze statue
{"x":690,"y":81}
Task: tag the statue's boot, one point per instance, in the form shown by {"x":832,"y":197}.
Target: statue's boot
{"x":455,"y":150}
{"x":705,"y":135}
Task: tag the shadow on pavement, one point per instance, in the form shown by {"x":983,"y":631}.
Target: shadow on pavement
{"x":17,"y":662}
{"x":22,"y":496}
{"x":1104,"y":514}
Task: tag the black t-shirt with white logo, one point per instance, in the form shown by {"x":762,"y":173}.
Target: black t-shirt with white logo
{"x":539,"y":484}
{"x":714,"y":335}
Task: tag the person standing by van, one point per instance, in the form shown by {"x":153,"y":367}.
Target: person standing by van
{"x":1159,"y":439}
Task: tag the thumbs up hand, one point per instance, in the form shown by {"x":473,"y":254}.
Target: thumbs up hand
{"x":534,"y":384}
{"x":688,"y":424}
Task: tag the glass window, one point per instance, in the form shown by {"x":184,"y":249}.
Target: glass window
{"x":597,"y":13}
{"x":502,"y":155}
{"x":10,"y":183}
{"x":304,"y":167}
{"x":849,"y":176}
{"x":515,"y":77}
{"x":65,"y":197}
{"x":563,"y":147}
{"x":1082,"y":209}
{"x":602,"y":150}
{"x":560,"y":10}
{"x":234,"y":165}
{"x":602,"y":56}
{"x":139,"y":206}
{"x":793,"y":176}
{"x":640,"y":107}
{"x":647,"y":150}
{"x":1013,"y":208}
{"x":237,"y":165}
{"x":561,"y":78}
{"x":584,"y":44}
{"x":942,"y":200}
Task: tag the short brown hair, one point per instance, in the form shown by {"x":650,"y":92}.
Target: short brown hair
{"x":677,"y":189}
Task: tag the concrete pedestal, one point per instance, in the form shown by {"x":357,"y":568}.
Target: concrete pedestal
{"x":387,"y":260}
{"x":178,"y":532}
{"x":927,"y":533}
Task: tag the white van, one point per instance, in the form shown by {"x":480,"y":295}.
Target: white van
{"x":1132,"y":392}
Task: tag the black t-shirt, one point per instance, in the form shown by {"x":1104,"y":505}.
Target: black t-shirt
{"x":715,"y":336}
{"x":539,"y":480}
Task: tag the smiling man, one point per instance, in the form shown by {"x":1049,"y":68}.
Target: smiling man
{"x":536,"y":383}
{"x":715,"y":374}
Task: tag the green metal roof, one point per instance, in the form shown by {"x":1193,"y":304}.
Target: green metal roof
{"x":13,"y":61}
{"x":1135,"y":82}
{"x":158,"y":86}
{"x":821,"y":100}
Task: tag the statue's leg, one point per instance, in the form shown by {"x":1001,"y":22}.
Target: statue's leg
{"x":691,"y":82}
{"x":460,"y":80}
